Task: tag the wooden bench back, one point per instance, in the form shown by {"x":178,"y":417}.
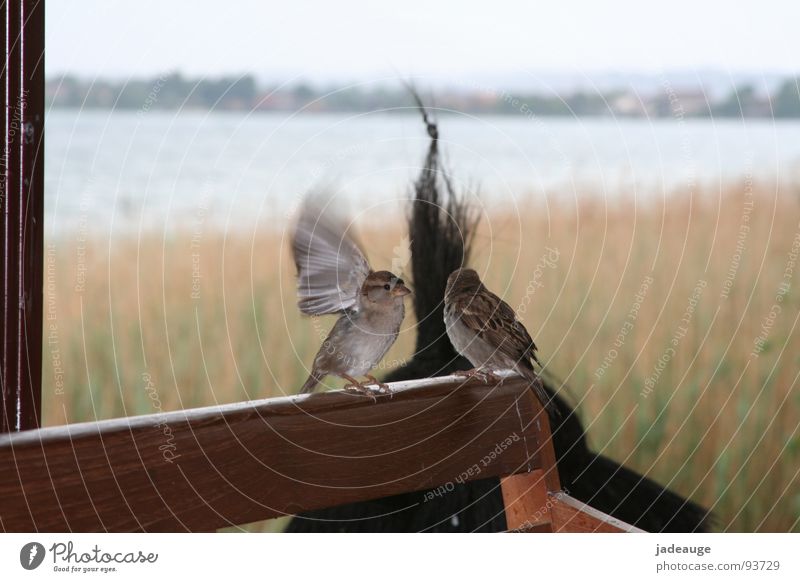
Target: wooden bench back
{"x":208,"y":468}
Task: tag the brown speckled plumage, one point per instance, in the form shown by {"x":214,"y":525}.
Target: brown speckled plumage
{"x":484,"y":329}
{"x":333,"y":276}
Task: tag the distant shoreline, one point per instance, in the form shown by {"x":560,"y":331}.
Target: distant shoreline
{"x":175,"y":92}
{"x":402,"y":111}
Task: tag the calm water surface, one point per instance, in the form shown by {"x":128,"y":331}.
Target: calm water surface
{"x":126,"y":171}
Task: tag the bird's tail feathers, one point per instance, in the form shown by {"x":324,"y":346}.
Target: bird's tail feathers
{"x":313,"y":379}
{"x":535,"y":380}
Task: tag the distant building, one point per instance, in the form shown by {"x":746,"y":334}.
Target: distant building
{"x":628,"y":105}
{"x":679,"y":103}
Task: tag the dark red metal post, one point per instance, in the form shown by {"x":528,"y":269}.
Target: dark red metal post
{"x":21,"y":214}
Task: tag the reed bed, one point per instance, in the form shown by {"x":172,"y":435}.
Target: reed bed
{"x":672,"y":321}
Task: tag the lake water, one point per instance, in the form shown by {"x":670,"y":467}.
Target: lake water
{"x":157,"y":170}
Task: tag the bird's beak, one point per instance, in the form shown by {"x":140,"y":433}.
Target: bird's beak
{"x":400,"y":290}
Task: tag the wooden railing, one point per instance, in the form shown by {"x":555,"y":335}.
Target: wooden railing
{"x":208,"y":468}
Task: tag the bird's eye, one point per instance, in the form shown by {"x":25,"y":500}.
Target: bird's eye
{"x":387,"y":286}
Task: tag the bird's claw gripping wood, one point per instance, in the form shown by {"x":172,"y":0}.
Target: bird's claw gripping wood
{"x":487,"y":376}
{"x":360,"y":389}
{"x":383,"y":388}
{"x":354,"y":386}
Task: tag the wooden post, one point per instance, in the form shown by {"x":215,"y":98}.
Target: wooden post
{"x":21,"y":214}
{"x":534,"y":501}
{"x":526,"y":495}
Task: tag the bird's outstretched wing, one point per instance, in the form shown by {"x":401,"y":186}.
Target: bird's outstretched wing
{"x":331,"y":267}
{"x":495,"y":322}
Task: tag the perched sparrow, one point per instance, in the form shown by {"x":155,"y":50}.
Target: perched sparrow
{"x":333,"y":276}
{"x":484,"y":329}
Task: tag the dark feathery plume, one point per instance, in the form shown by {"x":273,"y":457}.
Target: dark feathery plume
{"x":442,"y":229}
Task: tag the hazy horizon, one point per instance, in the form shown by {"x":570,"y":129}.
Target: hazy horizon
{"x":505,"y":44}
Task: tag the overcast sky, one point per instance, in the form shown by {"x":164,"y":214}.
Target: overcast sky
{"x":353,"y":41}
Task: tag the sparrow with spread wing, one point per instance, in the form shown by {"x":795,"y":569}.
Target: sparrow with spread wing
{"x":484,"y":329}
{"x":333,"y":276}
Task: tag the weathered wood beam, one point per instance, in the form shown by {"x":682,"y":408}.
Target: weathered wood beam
{"x":208,"y":468}
{"x":571,"y":515}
